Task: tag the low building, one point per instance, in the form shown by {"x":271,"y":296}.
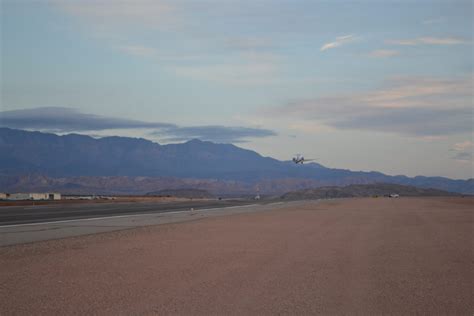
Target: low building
{"x":54,"y":196}
{"x":33,"y":196}
{"x":18,"y":196}
{"x":3,"y":196}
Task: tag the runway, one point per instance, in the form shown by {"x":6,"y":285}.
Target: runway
{"x":19,"y":215}
{"x":40,"y":223}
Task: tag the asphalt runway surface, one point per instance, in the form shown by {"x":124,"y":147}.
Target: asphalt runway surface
{"x":407,"y":256}
{"x":16,"y":215}
{"x":150,"y":215}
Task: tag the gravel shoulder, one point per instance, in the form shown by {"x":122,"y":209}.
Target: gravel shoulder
{"x":349,"y":256}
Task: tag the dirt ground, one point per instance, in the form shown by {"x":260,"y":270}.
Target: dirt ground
{"x":353,"y":256}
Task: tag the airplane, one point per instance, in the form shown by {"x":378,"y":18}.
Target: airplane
{"x":299,"y":159}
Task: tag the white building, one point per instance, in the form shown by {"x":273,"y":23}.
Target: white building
{"x":3,"y":196}
{"x":33,"y":196}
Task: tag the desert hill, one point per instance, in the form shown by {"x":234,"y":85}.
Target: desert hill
{"x":364,"y":190}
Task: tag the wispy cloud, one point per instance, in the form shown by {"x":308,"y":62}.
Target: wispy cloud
{"x":408,"y":106}
{"x":117,"y":23}
{"x":463,"y":145}
{"x":245,"y":69}
{"x":185,"y":48}
{"x":61,"y":119}
{"x":339,"y":41}
{"x":463,"y":157}
{"x":383,"y":53}
{"x":214,"y":133}
{"x":428,"y":40}
{"x":442,"y":40}
{"x":463,"y":151}
{"x":64,"y":120}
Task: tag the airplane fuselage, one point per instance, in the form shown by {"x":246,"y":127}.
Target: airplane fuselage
{"x":298,"y":160}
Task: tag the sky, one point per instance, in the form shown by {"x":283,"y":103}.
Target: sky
{"x":360,"y":85}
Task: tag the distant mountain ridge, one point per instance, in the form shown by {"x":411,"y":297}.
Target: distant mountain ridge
{"x":111,"y":158}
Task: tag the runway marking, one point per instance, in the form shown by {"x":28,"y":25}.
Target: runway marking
{"x":35,"y":207}
{"x":121,"y":216}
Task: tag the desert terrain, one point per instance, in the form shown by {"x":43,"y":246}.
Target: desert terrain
{"x":359,"y":256}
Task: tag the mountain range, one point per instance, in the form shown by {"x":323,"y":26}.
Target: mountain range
{"x":33,"y":160}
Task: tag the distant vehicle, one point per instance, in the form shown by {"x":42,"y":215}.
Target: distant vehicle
{"x":299,"y":159}
{"x":394,"y":195}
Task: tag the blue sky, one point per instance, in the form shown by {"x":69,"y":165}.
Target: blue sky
{"x":364,"y":85}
